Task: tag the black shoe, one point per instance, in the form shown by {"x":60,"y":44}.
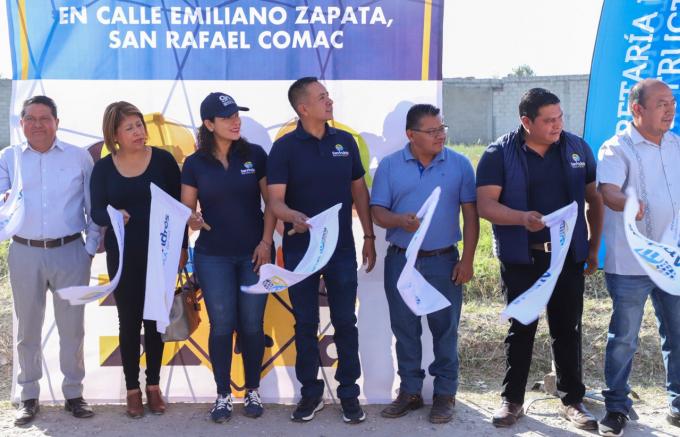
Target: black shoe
{"x":306,"y":409}
{"x":79,"y":408}
{"x":352,"y":411}
{"x":612,"y":424}
{"x":26,"y":412}
{"x":673,"y":418}
{"x":221,"y":411}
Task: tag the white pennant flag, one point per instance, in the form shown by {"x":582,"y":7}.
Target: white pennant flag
{"x":323,"y":237}
{"x":421,"y":297}
{"x":661,"y":261}
{"x":82,"y":294}
{"x":527,"y":307}
{"x":167,"y":222}
{"x":12,"y":210}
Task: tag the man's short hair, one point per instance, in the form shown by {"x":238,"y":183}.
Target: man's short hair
{"x":297,"y":90}
{"x":638,"y":93}
{"x":40,"y":100}
{"x":113,"y":117}
{"x":417,"y":112}
{"x":533,"y":100}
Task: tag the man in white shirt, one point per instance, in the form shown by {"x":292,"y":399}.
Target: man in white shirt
{"x":644,"y":156}
{"x":48,"y":252}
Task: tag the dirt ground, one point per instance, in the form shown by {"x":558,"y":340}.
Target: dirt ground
{"x":472,"y":418}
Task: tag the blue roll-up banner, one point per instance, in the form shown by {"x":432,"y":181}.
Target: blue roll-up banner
{"x":637,"y":39}
{"x":376,"y":58}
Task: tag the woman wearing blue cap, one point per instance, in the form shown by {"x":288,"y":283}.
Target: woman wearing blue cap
{"x":227,"y":176}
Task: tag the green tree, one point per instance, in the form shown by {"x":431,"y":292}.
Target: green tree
{"x":522,"y":71}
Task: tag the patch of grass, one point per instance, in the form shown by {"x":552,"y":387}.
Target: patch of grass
{"x":481,"y":348}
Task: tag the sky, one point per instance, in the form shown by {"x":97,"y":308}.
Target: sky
{"x":488,"y":38}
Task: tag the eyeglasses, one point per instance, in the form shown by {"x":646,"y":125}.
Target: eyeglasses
{"x":32,"y":120}
{"x":434,"y":133}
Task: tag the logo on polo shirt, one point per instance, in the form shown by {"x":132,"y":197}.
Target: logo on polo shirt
{"x":576,"y":161}
{"x":340,"y":151}
{"x":247,"y":168}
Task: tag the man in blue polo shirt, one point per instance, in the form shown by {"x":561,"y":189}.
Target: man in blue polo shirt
{"x":522,"y":176}
{"x":402,"y":183}
{"x":310,"y":170}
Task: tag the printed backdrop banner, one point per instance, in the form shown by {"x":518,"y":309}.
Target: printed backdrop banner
{"x":636,"y":39}
{"x":376,"y":59}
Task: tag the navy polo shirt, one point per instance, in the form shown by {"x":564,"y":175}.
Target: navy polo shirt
{"x":318,"y":174}
{"x":547,"y":190}
{"x":402,"y":184}
{"x":230,"y":200}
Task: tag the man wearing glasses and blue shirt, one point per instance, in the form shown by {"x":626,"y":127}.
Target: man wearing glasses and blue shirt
{"x":402,"y":183}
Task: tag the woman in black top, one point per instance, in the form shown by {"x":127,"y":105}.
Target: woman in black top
{"x":122,"y":180}
{"x":227,"y":176}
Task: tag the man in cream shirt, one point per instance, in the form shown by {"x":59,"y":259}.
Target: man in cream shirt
{"x":645,"y":157}
{"x":48,"y":252}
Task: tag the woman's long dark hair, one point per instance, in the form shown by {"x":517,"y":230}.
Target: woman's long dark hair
{"x":206,"y":143}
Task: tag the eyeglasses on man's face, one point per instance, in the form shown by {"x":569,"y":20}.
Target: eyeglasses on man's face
{"x":436,"y":132}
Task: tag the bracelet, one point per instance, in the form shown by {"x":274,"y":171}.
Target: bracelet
{"x":369,"y":237}
{"x":267,"y":244}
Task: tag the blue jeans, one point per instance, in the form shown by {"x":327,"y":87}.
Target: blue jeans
{"x":443,"y":324}
{"x":340,"y":277}
{"x":230,"y":309}
{"x":629,"y":294}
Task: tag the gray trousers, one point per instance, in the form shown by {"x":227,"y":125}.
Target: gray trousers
{"x":32,"y":271}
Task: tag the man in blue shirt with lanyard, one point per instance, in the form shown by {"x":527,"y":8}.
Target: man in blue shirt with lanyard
{"x":402,"y":183}
{"x":309,"y":170}
{"x":528,"y":173}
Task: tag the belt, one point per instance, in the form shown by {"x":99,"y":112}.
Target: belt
{"x":426,"y":253}
{"x":47,"y":244}
{"x":542,"y":247}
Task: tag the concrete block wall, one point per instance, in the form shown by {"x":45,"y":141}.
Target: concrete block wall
{"x":481,"y":110}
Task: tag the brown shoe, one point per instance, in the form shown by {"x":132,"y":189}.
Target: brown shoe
{"x":135,"y":407}
{"x":507,"y":414}
{"x":442,"y":408}
{"x":402,"y":405}
{"x":579,"y":416}
{"x":155,"y":402}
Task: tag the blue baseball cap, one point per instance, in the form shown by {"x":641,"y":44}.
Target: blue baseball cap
{"x":219,"y":105}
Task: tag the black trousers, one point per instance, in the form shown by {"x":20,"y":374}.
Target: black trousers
{"x":564,"y":312}
{"x":130,"y":304}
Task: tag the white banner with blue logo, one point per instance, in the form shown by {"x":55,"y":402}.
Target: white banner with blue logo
{"x":82,"y":294}
{"x":660,"y":260}
{"x":418,"y":294}
{"x":323,"y":237}
{"x":528,"y":306}
{"x":12,"y":209}
{"x":167,"y":221}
